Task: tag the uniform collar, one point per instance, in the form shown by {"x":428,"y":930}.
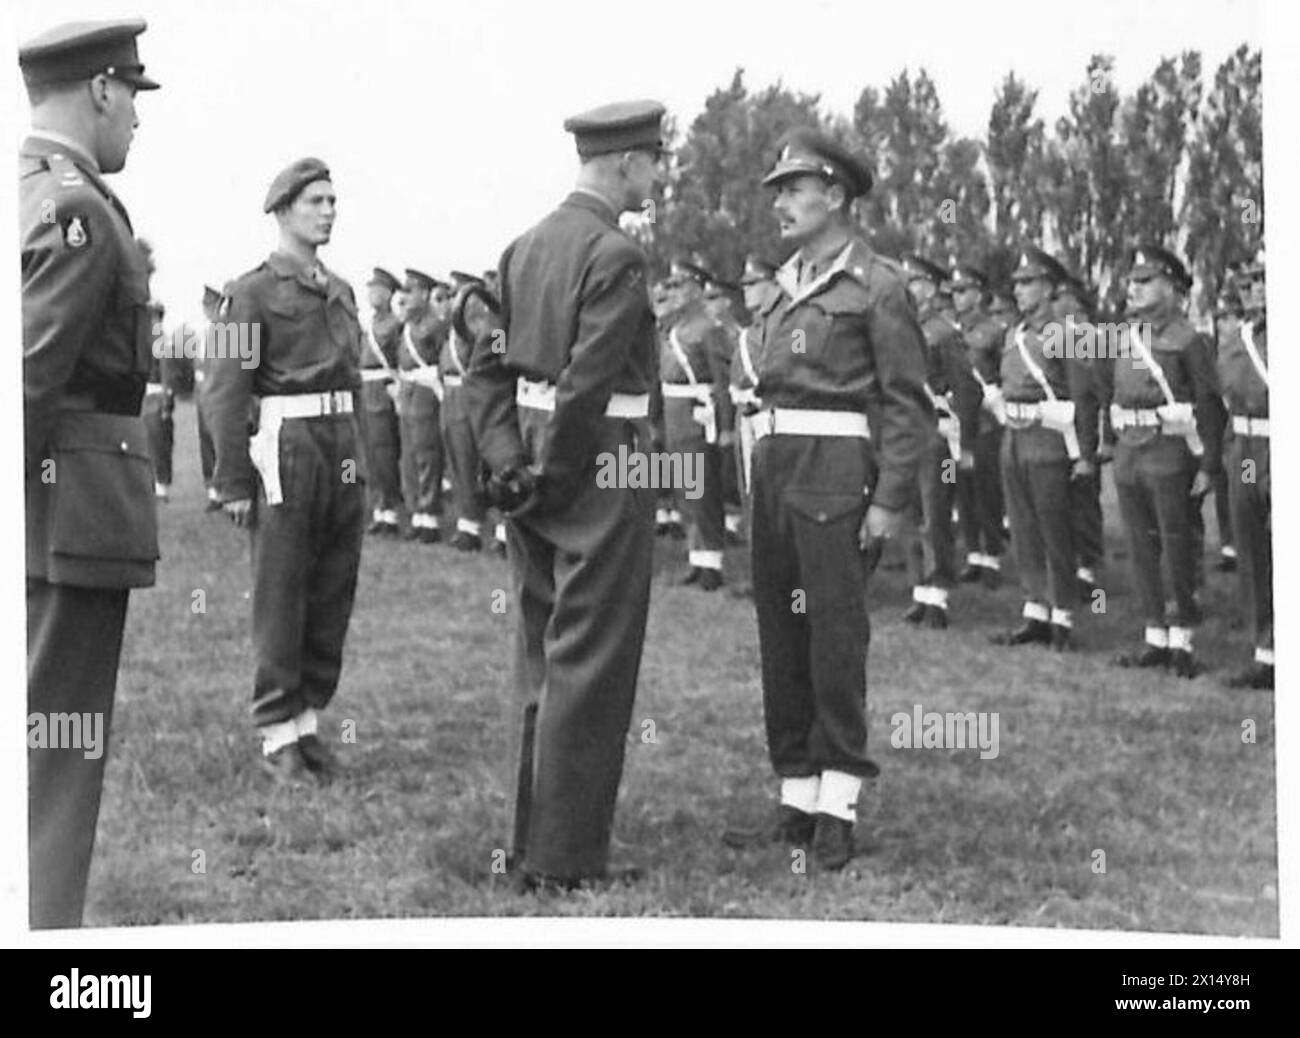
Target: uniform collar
{"x":287,"y":266}
{"x":854,"y":260}
{"x":594,"y":202}
{"x":63,"y":142}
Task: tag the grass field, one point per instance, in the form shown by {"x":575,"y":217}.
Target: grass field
{"x":1148,"y":769}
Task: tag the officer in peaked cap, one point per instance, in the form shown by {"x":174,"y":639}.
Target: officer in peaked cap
{"x":845,"y":419}
{"x":573,"y":386}
{"x":979,"y":492}
{"x":457,"y":431}
{"x":694,"y":361}
{"x":380,"y":426}
{"x":1073,"y":303}
{"x":950,"y":450}
{"x":298,"y":483}
{"x":1165,"y":410}
{"x":1040,"y":454}
{"x":419,"y":402}
{"x":91,"y":525}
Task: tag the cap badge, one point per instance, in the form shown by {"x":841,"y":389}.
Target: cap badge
{"x":75,"y":233}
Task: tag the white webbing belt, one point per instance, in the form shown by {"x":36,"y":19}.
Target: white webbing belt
{"x":1125,"y":417}
{"x":1244,"y":425}
{"x":153,"y":388}
{"x":273,"y":411}
{"x":687,"y":391}
{"x":741,"y":396}
{"x":541,"y":397}
{"x":453,"y":380}
{"x":790,"y":421}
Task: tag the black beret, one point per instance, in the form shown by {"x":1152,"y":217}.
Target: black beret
{"x":468,"y":291}
{"x":622,"y":126}
{"x":1035,"y":263}
{"x":805,"y":150}
{"x":291,"y":180}
{"x":79,"y":50}
{"x":1150,"y":260}
{"x":383,"y":277}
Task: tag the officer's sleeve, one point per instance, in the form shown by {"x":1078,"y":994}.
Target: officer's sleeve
{"x":906,"y":417}
{"x":720,"y":344}
{"x":1082,"y":381}
{"x":966,"y":393}
{"x":1211,"y":415}
{"x":229,"y":398}
{"x":612,"y":313}
{"x":65,"y":292}
{"x":490,"y":390}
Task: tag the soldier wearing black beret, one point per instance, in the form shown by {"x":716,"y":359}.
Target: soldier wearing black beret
{"x":457,"y":431}
{"x":89,"y":481}
{"x":298,"y":483}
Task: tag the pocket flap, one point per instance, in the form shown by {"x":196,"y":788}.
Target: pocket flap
{"x":825,"y":506}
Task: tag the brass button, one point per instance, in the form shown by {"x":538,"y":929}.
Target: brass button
{"x":124,"y":447}
{"x":821,"y":517}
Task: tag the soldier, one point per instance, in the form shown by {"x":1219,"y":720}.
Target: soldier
{"x":759,"y":287}
{"x":1040,"y":456}
{"x":955,"y":398}
{"x":159,"y":395}
{"x":1073,"y":305}
{"x":668,"y":517}
{"x":1243,"y":380}
{"x":1002,"y":309}
{"x":207,"y":451}
{"x":457,"y":434}
{"x":979,"y":491}
{"x":839,"y":342}
{"x":574,"y":383}
{"x":91,"y":514}
{"x":1162,"y":403}
{"x":294,"y":484}
{"x":718,"y":296}
{"x":419,"y":403}
{"x":381,"y":339}
{"x":694,"y":359}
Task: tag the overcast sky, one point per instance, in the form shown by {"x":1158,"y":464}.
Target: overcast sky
{"x":442,"y":122}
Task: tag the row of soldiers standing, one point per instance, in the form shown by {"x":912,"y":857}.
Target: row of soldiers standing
{"x":1028,"y":407}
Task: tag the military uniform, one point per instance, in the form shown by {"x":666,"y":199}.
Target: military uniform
{"x":1161,"y":399}
{"x":91,"y":530}
{"x":380,"y":342}
{"x":303,"y":470}
{"x":159,"y":410}
{"x":202,"y":366}
{"x":579,"y":365}
{"x":979,"y":490}
{"x":1087,"y":378}
{"x":1243,"y":381}
{"x":419,"y":403}
{"x":955,"y":397}
{"x":694,"y":362}
{"x":457,"y":431}
{"x":1037,"y":454}
{"x":845,"y":421}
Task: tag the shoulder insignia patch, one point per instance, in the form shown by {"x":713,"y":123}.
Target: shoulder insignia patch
{"x":76,"y":230}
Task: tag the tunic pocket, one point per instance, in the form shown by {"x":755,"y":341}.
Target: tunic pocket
{"x":102,"y":501}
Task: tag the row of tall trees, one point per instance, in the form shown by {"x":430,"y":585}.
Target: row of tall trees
{"x":1174,"y":162}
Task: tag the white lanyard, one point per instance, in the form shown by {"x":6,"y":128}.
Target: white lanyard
{"x":1157,"y":372}
{"x":1248,"y":340}
{"x":410,"y":347}
{"x":455,"y":353}
{"x":1034,"y":369}
{"x":682,"y":359}
{"x":746,"y":361}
